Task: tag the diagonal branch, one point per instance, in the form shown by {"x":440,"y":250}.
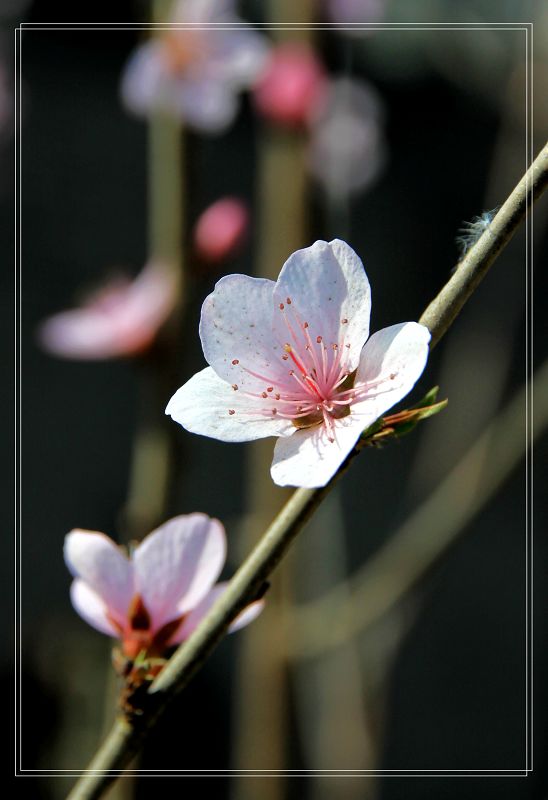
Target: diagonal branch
{"x":125,"y":739}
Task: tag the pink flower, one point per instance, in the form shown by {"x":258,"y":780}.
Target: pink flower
{"x":221,"y":229}
{"x":347,"y":149}
{"x":292,"y":359}
{"x":292,"y":86}
{"x":196,"y":70}
{"x":121,"y":319}
{"x":155,"y":598}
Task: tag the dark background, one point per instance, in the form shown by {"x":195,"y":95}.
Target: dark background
{"x":456,"y":687}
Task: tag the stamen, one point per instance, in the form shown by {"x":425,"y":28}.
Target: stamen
{"x":235,"y":387}
{"x":235,"y":361}
{"x":231,"y":411}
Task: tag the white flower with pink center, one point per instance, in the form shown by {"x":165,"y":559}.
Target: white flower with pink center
{"x":196,"y":66}
{"x":292,"y":359}
{"x":155,"y":598}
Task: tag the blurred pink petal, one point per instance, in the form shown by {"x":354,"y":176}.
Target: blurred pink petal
{"x":195,"y":73}
{"x":121,"y":319}
{"x":292,"y":87}
{"x":347,"y":148}
{"x":220,"y":229}
{"x":155,"y":598}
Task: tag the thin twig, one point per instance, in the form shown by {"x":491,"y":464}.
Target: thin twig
{"x":125,"y":740}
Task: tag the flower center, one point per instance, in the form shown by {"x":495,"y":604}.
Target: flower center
{"x":182,"y":48}
{"x":316,"y":385}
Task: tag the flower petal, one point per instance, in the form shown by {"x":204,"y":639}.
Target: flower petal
{"x":95,"y":559}
{"x":191,"y":622}
{"x":204,"y":103}
{"x":144,"y":78}
{"x":203,"y":405}
{"x":91,"y":608}
{"x":236,"y":326}
{"x":327,"y":284}
{"x":309,"y":459}
{"x":177,"y":564}
{"x":400,"y":351}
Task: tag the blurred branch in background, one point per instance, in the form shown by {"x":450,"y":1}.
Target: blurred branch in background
{"x":260,"y":726}
{"x":126,"y":739}
{"x":427,"y":533}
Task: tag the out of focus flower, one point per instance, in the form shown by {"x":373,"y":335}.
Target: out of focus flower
{"x":221,"y":229}
{"x":347,"y":147}
{"x":155,"y":598}
{"x":292,"y":87}
{"x":121,"y":319}
{"x":344,"y":13}
{"x":195,"y":72}
{"x":292,"y":359}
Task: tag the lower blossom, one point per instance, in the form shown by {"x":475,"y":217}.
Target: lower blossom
{"x":154,"y":599}
{"x":293,"y":359}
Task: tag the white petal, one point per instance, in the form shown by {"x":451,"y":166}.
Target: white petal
{"x":177,"y":564}
{"x":309,"y":459}
{"x":204,"y":403}
{"x":144,"y":78}
{"x":91,"y":608}
{"x":327,"y":284}
{"x":238,"y":56}
{"x":207,"y":104}
{"x":236,"y":325}
{"x":247,"y":615}
{"x":95,"y":558}
{"x":400,"y":351}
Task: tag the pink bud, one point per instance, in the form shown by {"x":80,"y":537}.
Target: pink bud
{"x":221,"y":229}
{"x":292,"y":86}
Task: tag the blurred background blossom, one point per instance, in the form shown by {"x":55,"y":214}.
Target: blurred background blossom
{"x":121,"y":319}
{"x":348,"y":148}
{"x":220,"y":230}
{"x":195,"y":73}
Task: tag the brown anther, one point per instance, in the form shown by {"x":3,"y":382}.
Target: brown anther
{"x":235,"y":386}
{"x":344,"y":321}
{"x":291,"y":371}
{"x":348,"y":346}
{"x":235,"y":361}
{"x":282,"y":306}
{"x":277,"y":396}
{"x":392,"y":376}
{"x":319,"y":339}
{"x":274,"y":410}
{"x":269,"y":388}
{"x":264,"y":394}
{"x":331,"y":440}
{"x":284,"y":358}
{"x":305,"y":324}
{"x":335,"y":346}
{"x":288,"y":301}
{"x":231,"y":411}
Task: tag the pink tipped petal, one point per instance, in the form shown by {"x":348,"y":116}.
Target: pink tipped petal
{"x":309,"y":459}
{"x":327,"y":284}
{"x":398,"y":355}
{"x":211,"y":407}
{"x":177,"y":564}
{"x":236,"y":332}
{"x":198,"y":613}
{"x":95,"y":559}
{"x":91,"y":608}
